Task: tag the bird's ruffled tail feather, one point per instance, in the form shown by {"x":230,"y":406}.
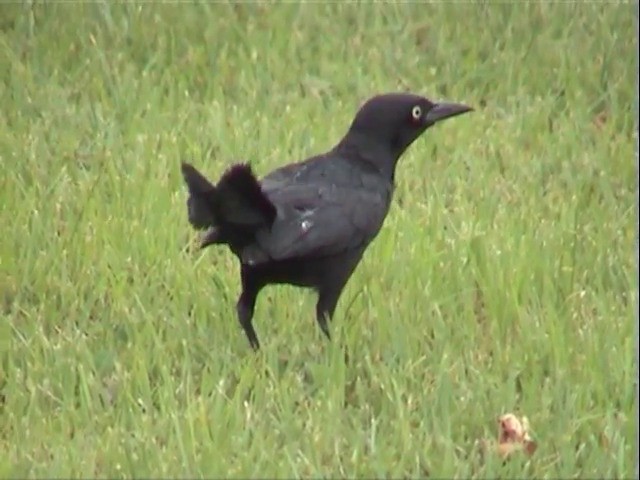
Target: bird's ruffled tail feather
{"x":232,"y":209}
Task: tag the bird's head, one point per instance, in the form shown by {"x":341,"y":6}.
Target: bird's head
{"x":386,"y":125}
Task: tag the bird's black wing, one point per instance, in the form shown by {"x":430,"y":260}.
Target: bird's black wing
{"x":317,"y":220}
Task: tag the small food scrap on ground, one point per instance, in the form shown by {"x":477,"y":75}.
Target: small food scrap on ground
{"x":513,"y":436}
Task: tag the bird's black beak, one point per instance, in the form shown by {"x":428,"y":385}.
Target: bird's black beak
{"x":442,"y":111}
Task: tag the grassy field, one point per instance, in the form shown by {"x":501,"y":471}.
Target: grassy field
{"x":504,"y":279}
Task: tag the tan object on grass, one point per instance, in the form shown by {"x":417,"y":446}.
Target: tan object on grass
{"x":513,"y":435}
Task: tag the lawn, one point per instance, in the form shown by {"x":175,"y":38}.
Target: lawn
{"x":504,"y":279}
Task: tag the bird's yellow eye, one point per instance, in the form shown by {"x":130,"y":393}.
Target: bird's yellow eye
{"x":416,"y":112}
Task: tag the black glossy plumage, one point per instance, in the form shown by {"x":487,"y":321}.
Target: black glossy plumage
{"x":309,"y":223}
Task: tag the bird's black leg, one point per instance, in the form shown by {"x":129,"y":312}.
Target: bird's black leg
{"x":331,"y":289}
{"x":327,"y":301}
{"x":244,"y":307}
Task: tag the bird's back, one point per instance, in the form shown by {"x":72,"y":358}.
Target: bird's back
{"x":327,"y":169}
{"x":327,"y":205}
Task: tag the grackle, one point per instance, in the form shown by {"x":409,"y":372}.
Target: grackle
{"x":309,"y":223}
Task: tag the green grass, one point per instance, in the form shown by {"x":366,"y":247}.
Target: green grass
{"x":504,"y":278}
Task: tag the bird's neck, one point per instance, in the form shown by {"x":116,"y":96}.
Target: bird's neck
{"x":372,"y":153}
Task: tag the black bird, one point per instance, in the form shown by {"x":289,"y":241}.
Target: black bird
{"x":308,"y":223}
